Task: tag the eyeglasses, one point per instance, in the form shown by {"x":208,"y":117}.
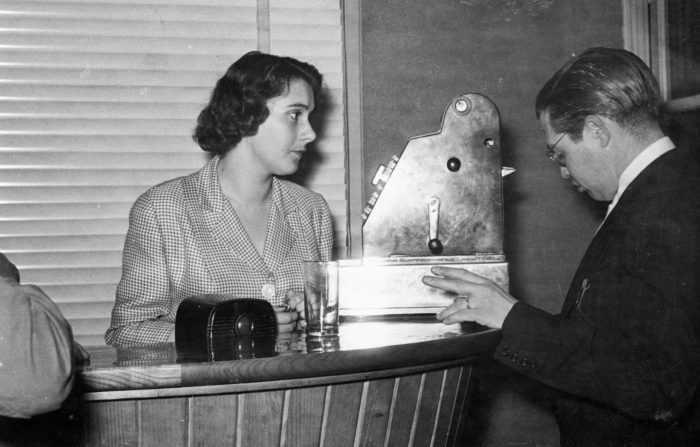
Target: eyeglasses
{"x":554,"y":156}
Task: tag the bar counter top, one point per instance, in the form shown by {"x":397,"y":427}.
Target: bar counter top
{"x":365,"y":349}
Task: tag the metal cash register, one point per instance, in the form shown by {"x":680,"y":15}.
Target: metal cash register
{"x":438,"y":203}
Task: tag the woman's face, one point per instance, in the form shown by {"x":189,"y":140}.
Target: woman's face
{"x":282,"y":138}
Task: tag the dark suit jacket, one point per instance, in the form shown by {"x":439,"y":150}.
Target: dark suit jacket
{"x":625,"y":350}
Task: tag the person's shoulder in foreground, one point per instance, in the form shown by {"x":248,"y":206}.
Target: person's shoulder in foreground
{"x":36,"y":349}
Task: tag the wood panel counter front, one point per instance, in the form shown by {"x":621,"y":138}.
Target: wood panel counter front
{"x":400,"y":382}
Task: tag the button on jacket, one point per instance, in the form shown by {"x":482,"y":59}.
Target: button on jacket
{"x":184,"y":239}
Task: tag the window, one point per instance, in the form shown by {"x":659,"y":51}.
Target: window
{"x":666,"y":35}
{"x":98,"y":101}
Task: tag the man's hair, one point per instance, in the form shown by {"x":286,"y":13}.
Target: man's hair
{"x":238,"y":104}
{"x":608,"y":82}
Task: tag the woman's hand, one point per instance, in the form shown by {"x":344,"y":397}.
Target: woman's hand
{"x":295,"y":301}
{"x":478,"y":299}
{"x":291,"y":316}
{"x":286,"y":319}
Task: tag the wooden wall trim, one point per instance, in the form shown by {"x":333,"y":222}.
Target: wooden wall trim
{"x":352,"y":36}
{"x":263,"y":24}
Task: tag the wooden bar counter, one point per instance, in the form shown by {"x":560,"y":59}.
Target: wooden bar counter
{"x":401,"y":382}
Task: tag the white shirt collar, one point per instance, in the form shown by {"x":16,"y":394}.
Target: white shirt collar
{"x":640,"y":162}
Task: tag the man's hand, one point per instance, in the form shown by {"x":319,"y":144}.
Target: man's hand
{"x":478,"y":299}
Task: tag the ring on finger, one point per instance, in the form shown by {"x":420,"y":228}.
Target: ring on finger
{"x":466,"y":300}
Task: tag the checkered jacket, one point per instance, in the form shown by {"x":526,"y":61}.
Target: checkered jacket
{"x":184,"y":239}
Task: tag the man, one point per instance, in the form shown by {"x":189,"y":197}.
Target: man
{"x":36,"y":349}
{"x":625,"y":350}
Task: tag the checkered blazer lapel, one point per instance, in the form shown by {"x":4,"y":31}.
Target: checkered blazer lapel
{"x":223,"y":236}
{"x":282,"y":227}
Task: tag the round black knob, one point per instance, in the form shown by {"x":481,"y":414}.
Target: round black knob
{"x":435,"y":246}
{"x":453,"y":164}
{"x":244,"y":325}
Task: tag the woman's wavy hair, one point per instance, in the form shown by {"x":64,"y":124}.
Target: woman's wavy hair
{"x":607,"y":82}
{"x":238,"y":104}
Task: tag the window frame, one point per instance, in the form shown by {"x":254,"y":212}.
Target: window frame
{"x":645,"y":33}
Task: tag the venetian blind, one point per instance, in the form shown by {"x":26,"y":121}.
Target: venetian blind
{"x":98,"y":101}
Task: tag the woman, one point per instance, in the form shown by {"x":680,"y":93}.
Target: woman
{"x":233,"y":227}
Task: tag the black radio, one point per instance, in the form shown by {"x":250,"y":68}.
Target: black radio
{"x":221,"y":327}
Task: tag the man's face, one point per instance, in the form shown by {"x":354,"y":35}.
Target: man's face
{"x":587,"y":163}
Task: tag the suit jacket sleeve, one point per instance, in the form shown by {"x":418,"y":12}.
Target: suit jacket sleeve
{"x":36,"y":360}
{"x":628,"y":333}
{"x":143,"y":296}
